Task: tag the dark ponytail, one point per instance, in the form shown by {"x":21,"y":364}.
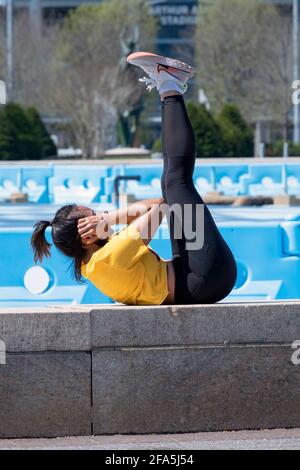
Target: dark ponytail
{"x":65,"y":237}
{"x":40,"y":246}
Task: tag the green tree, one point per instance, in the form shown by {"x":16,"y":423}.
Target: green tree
{"x":208,"y":133}
{"x":238,"y":136}
{"x":243,"y":57}
{"x":20,"y":136}
{"x":95,"y":85}
{"x":41,"y":134}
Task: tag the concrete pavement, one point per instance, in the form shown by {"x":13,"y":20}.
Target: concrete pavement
{"x":277,"y":439}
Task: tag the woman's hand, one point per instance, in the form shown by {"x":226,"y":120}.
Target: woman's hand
{"x":93,"y":228}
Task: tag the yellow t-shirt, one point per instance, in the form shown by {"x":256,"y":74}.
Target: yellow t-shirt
{"x":127,"y":270}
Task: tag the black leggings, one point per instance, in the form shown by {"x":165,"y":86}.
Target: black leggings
{"x":205,"y":273}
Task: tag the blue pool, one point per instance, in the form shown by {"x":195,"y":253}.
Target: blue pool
{"x":60,"y":183}
{"x":265,"y":240}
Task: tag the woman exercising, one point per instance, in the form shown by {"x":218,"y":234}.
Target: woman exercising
{"x":121,"y":265}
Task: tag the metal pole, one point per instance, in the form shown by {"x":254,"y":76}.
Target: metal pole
{"x":9,"y":65}
{"x":2,"y":92}
{"x":295,"y":64}
{"x":35,"y":16}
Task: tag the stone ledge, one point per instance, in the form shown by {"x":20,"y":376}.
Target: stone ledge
{"x":81,"y":328}
{"x":46,"y":394}
{"x":149,"y":369}
{"x":46,"y":329}
{"x":267,"y":322}
{"x":190,"y":390}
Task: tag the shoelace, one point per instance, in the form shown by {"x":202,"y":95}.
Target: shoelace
{"x":150,"y":82}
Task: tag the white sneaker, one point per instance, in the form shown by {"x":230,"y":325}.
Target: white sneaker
{"x":165,"y":74}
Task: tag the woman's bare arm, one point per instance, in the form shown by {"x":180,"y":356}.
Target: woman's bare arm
{"x":94,"y":227}
{"x":148,"y":223}
{"x":127,"y":214}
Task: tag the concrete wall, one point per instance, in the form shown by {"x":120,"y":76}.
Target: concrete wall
{"x":117,"y":369}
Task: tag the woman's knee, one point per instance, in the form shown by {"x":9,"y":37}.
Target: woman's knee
{"x":176,"y":183}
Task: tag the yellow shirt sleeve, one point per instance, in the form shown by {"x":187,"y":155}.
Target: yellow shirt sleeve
{"x":126,"y":270}
{"x":123,"y":249}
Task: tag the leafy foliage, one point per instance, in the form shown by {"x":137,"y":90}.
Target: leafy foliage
{"x":224,"y":135}
{"x":237,"y":134}
{"x":23,"y":135}
{"x":208,"y":133}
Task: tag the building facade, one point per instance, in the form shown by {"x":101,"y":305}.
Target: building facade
{"x":176,"y":19}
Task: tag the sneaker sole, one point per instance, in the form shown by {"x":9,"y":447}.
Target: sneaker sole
{"x":146,"y":58}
